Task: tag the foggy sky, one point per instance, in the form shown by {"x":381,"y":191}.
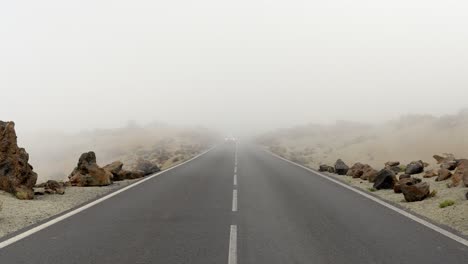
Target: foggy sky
{"x":241,"y":65}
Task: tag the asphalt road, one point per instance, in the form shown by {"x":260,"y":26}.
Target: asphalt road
{"x":283,"y":214}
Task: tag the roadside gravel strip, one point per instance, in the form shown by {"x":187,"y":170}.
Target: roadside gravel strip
{"x":17,"y":214}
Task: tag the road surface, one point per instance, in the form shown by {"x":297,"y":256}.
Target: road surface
{"x":270,"y":212}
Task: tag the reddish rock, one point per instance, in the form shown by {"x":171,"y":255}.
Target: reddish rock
{"x":356,"y":170}
{"x":405,"y":181}
{"x":16,"y":174}
{"x":443,"y":175}
{"x":460,"y":173}
{"x":88,"y":173}
{"x":369,"y":174}
{"x":415,"y":192}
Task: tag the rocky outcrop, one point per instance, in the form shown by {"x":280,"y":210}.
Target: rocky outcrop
{"x":369,"y":174}
{"x":356,"y":170}
{"x":443,"y":174}
{"x":385,"y":179}
{"x":119,"y":174}
{"x":405,"y":181}
{"x":415,"y":192}
{"x":415,"y":167}
{"x":341,"y":168}
{"x":147,"y":167}
{"x":326,"y":168}
{"x":54,"y":187}
{"x":16,"y":174}
{"x":362,"y":171}
{"x":88,"y":173}
{"x":461,"y":174}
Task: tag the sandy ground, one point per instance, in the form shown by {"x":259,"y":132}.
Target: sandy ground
{"x":17,"y":214}
{"x":409,"y":138}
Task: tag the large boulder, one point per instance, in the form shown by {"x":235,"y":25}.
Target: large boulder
{"x":341,"y":168}
{"x":326,"y":168}
{"x":362,"y":171}
{"x":147,"y":167}
{"x":369,"y":173}
{"x":114,"y":168}
{"x":356,"y":170}
{"x":443,"y":174}
{"x":88,"y":173}
{"x":54,"y":187}
{"x":405,"y":181}
{"x":415,"y":167}
{"x":460,"y":174}
{"x":16,"y":174}
{"x":414,"y":192}
{"x":385,"y":179}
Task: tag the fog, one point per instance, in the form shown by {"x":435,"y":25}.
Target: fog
{"x":235,"y":66}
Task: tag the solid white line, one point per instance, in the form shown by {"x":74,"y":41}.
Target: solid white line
{"x":234,"y":201}
{"x":233,"y":246}
{"x":235,"y":179}
{"x":381,"y":202}
{"x":89,"y":205}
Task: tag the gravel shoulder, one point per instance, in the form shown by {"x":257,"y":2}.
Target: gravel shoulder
{"x":17,"y":214}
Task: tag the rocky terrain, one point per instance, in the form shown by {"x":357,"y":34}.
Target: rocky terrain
{"x":158,"y":143}
{"x":400,"y":161}
{"x":16,"y":174}
{"x":133,"y":153}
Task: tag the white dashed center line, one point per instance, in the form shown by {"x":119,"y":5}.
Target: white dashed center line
{"x":233,"y":246}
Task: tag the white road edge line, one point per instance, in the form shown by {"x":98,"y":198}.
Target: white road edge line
{"x":89,"y":205}
{"x":233,"y":245}
{"x":389,"y":206}
{"x":235,"y":179}
{"x":234,"y":201}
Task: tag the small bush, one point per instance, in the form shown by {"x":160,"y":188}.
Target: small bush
{"x":372,"y":189}
{"x":446,"y":203}
{"x":433,"y":193}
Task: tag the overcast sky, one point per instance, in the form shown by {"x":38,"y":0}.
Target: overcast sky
{"x":233,"y":65}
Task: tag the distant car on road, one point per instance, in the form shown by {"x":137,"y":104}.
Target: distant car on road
{"x":230,"y":139}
